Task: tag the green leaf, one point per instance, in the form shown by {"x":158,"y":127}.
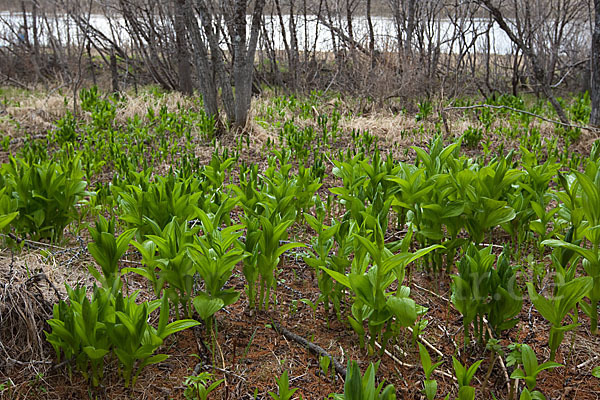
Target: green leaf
{"x":158,"y":358}
{"x":207,"y":307}
{"x":431,"y":387}
{"x":7,"y":219}
{"x":404,"y":309}
{"x":312,"y":222}
{"x":361,"y":285}
{"x":340,"y":278}
{"x":353,"y":385}
{"x":140,"y":271}
{"x":425,"y":359}
{"x":466,"y":393}
{"x":530,"y":363}
{"x":127,"y":322}
{"x":548,"y":365}
{"x":94,"y":272}
{"x":286,"y":247}
{"x":356,"y":326}
{"x":518,"y":374}
{"x":587,"y":254}
{"x":525,"y":395}
{"x":164,"y":315}
{"x":545,"y":307}
{"x":472,"y":370}
{"x":499,"y":216}
{"x":570,"y":293}
{"x":459,"y":371}
{"x":123,"y":241}
{"x":370,"y":247}
{"x":593,"y":197}
{"x":94,"y":353}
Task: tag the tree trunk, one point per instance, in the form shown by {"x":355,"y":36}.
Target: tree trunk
{"x":183,"y":57}
{"x":350,"y":24}
{"x":243,"y":63}
{"x":242,"y":89}
{"x":371,"y":34}
{"x":410,"y":27}
{"x":595,"y":81}
{"x":204,"y":69}
{"x":212,"y":33}
{"x":286,"y":46}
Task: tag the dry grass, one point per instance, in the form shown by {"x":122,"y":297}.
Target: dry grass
{"x":26,"y":299}
{"x":35,"y":113}
{"x":139,"y":104}
{"x":31,"y":283}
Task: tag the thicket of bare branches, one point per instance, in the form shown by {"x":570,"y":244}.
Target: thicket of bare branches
{"x":379,"y":49}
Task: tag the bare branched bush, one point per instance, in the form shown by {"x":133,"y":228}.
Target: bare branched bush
{"x":379,"y":49}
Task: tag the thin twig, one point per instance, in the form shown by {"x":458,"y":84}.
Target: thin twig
{"x":32,"y":362}
{"x":586,"y":363}
{"x":587,"y":128}
{"x":497,"y":246}
{"x":394,"y":358}
{"x":31,"y":243}
{"x":407,"y":365}
{"x":227,"y":372}
{"x":439,"y":296}
{"x":339,"y":368}
{"x":426,"y":343}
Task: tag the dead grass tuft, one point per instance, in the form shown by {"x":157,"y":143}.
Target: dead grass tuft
{"x":139,"y":104}
{"x":30,"y":283}
{"x":26,"y":300}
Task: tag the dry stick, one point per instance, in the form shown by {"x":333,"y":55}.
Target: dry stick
{"x":339,"y":368}
{"x":38,"y":245}
{"x":16,"y":82}
{"x":406,"y":365}
{"x":393,"y":357}
{"x":497,"y":246}
{"x":224,"y":371}
{"x":426,"y":343}
{"x":587,"y":128}
{"x":439,"y":296}
{"x":31,"y":243}
{"x":586,"y":363}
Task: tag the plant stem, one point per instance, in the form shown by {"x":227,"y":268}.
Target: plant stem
{"x":594,"y":317}
{"x":466,"y":335}
{"x":489,"y":371}
{"x":552,"y":354}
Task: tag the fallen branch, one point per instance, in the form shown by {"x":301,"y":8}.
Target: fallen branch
{"x":586,"y":363}
{"x":439,"y":296}
{"x":201,"y":365}
{"x":31,"y":243}
{"x":587,"y":128}
{"x":339,"y":368}
{"x":407,"y":365}
{"x":426,"y":343}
